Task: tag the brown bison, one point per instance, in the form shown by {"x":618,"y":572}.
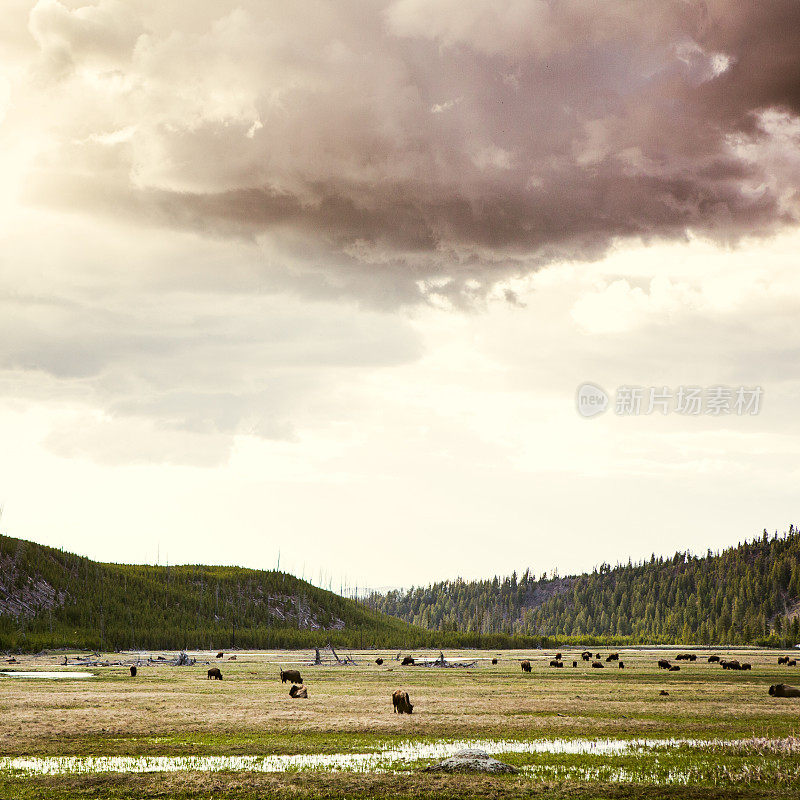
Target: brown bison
{"x":494,"y":661}
{"x":622,"y":665}
{"x":782,"y":690}
{"x":220,"y":654}
{"x":682,"y":657}
{"x":792,"y":663}
{"x":232,"y":658}
{"x":292,"y":675}
{"x":556,"y":663}
{"x":663,"y":663}
{"x":133,"y":672}
{"x":574,"y":664}
{"x":612,"y":657}
{"x":401,"y":702}
{"x":586,"y":655}
{"x":379,"y":661}
{"x":676,"y":668}
{"x":598,"y":665}
{"x":664,"y":693}
{"x":526,"y":666}
{"x":558,"y":656}
{"x":298,"y":692}
{"x":215,"y":674}
{"x":745,"y":665}
{"x":731,"y":664}
{"x":713,"y":659}
{"x":408,"y":661}
{"x":783,"y":659}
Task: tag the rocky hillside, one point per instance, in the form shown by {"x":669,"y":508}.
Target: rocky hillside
{"x":49,"y":598}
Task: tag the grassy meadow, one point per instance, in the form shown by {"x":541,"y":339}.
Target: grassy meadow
{"x":738,"y":736}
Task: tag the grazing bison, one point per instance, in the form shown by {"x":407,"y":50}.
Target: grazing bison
{"x":782,"y":690}
{"x":408,"y":661}
{"x":731,"y":664}
{"x":558,"y":656}
{"x":746,"y":666}
{"x":232,"y":658}
{"x":556,"y":663}
{"x":692,"y":657}
{"x":586,"y":655}
{"x":220,"y":654}
{"x":215,"y":674}
{"x":598,"y":665}
{"x":494,"y":661}
{"x":622,"y":665}
{"x":713,"y":659}
{"x":574,"y":664}
{"x":598,"y":656}
{"x":401,"y":702}
{"x":783,"y":659}
{"x":379,"y":661}
{"x":133,"y":672}
{"x":663,"y":663}
{"x":792,"y":663}
{"x":612,"y":657}
{"x":663,"y":693}
{"x":526,"y":666}
{"x":676,"y":668}
{"x":291,"y":675}
{"x":298,"y":692}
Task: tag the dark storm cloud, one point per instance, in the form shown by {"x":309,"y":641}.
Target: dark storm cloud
{"x":436,"y":139}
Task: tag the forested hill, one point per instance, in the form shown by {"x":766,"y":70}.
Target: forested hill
{"x":746,"y":594}
{"x":50,"y":599}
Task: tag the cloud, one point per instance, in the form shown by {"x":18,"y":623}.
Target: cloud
{"x":388,"y":144}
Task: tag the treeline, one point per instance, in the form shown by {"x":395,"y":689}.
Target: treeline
{"x":747,"y":594}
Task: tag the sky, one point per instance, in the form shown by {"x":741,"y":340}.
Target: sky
{"x":316,"y":284}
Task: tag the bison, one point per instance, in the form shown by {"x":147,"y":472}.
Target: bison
{"x":782,"y":690}
{"x":792,"y":663}
{"x":556,"y":663}
{"x":598,"y":665}
{"x":663,"y":693}
{"x":676,"y":668}
{"x":220,"y":654}
{"x":663,"y":663}
{"x":232,"y":658}
{"x":745,"y":665}
{"x":526,"y":666}
{"x":291,"y":675}
{"x":494,"y":661}
{"x":215,"y":674}
{"x":682,"y":657}
{"x":379,"y":661}
{"x":408,"y":661}
{"x":133,"y":672}
{"x":731,"y":664}
{"x":401,"y":702}
{"x":574,"y":664}
{"x":298,"y":692}
{"x":622,"y":665}
{"x":612,"y":657}
{"x":558,"y":656}
{"x":713,"y":659}
{"x":586,"y":655}
{"x":783,"y":659}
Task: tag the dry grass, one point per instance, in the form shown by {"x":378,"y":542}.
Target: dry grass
{"x":177,"y":710}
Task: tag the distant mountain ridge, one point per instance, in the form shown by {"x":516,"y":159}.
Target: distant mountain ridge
{"x":745,"y":594}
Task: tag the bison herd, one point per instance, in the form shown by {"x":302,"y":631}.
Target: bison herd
{"x":402,"y":704}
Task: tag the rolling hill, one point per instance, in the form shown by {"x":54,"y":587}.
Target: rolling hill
{"x":51,"y":599}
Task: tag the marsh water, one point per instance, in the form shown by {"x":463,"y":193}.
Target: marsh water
{"x":382,"y":760}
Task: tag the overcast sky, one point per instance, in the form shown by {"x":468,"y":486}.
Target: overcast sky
{"x":323,"y":278}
